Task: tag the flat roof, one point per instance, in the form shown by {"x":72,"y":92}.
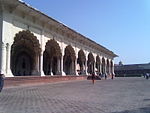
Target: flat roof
{"x":102,"y":48}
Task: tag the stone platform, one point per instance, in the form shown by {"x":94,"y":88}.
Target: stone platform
{"x":33,"y":80}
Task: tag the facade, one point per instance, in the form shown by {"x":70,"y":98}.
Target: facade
{"x":34,"y":44}
{"x":132,"y":70}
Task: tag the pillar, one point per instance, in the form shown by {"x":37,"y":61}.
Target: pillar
{"x":76,"y":72}
{"x":86,"y":67}
{"x":110,"y":69}
{"x":75,"y":64}
{"x":94,"y":67}
{"x":41,"y":64}
{"x":61,"y":65}
{"x":42,"y":44}
{"x":3,"y":59}
{"x":113,"y":68}
{"x":8,"y":64}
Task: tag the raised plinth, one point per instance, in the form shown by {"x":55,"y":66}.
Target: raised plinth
{"x":29,"y":80}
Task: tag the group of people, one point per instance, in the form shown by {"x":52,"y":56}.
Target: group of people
{"x":101,"y":76}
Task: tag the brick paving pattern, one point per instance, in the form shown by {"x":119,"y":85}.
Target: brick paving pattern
{"x":121,"y":95}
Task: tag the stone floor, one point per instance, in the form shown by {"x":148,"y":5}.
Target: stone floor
{"x":121,"y":95}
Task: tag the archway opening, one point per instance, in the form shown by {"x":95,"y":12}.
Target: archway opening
{"x":52,"y":58}
{"x":81,"y":61}
{"x":25,"y":52}
{"x":98,"y":64}
{"x":107,"y":68}
{"x":90,"y":63}
{"x":69,"y":60}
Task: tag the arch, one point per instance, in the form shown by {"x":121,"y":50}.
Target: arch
{"x":69,"y":60}
{"x":81,"y":61}
{"x":25,"y":52}
{"x":90,"y":63}
{"x":51,"y":58}
{"x":103,"y":65}
{"x":98,"y":64}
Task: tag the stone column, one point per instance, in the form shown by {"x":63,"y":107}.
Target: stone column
{"x":75,"y":68}
{"x":8,"y":64}
{"x":61,"y":63}
{"x":94,"y":66}
{"x":113,"y":68}
{"x":105,"y":68}
{"x":75,"y":64}
{"x":42,"y":44}
{"x":110,"y":70}
{"x":86,"y":67}
{"x":3,"y":59}
{"x":41,"y":65}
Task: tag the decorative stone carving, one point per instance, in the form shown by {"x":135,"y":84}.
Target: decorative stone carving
{"x":69,"y":51}
{"x":26,"y":38}
{"x":52,"y":56}
{"x":25,"y":53}
{"x":53,"y":48}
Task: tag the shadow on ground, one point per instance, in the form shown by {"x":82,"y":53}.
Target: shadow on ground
{"x":140,"y":110}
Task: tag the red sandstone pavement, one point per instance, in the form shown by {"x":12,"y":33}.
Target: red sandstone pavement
{"x":122,"y":95}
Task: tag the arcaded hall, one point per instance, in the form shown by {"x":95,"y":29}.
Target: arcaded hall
{"x":34,"y":44}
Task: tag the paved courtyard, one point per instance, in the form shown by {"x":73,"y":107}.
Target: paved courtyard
{"x":121,"y":95}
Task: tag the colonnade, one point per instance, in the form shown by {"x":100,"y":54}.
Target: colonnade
{"x":26,"y":58}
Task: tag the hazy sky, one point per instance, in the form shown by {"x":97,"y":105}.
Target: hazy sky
{"x":122,"y":26}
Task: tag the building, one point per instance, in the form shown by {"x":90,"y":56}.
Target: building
{"x":132,"y":70}
{"x":34,"y":44}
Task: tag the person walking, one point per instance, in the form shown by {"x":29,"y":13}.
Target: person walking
{"x":1,"y":81}
{"x":93,"y":78}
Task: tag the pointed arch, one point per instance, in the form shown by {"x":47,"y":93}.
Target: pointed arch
{"x":81,"y":61}
{"x":25,"y":52}
{"x":90,"y":63}
{"x":98,"y":64}
{"x":69,"y":60}
{"x":51,"y":58}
